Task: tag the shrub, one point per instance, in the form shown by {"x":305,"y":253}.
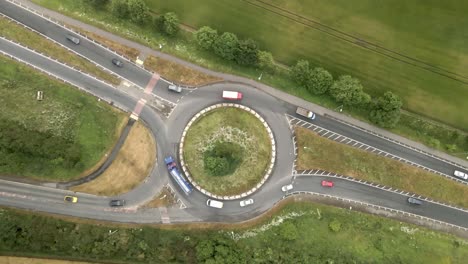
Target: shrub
{"x":349,"y":91}
{"x":386,"y":111}
{"x":168,"y":23}
{"x":300,"y":73}
{"x":266,"y":61}
{"x":138,"y":11}
{"x":247,"y":52}
{"x":320,"y":81}
{"x":205,"y":37}
{"x":226,"y":45}
{"x":223,"y":159}
{"x":335,"y":225}
{"x":119,"y":8}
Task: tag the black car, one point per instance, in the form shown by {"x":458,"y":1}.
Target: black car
{"x":117,"y":63}
{"x":117,"y":203}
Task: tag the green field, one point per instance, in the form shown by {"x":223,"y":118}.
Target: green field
{"x":54,"y":139}
{"x":234,"y":126}
{"x":297,"y":233}
{"x":430,"y":31}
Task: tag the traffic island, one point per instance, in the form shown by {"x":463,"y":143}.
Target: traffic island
{"x":227,"y":151}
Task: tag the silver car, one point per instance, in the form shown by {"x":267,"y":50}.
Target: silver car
{"x":246,"y":202}
{"x":287,"y":188}
{"x":460,"y":174}
{"x":175,"y":88}
{"x":73,"y":39}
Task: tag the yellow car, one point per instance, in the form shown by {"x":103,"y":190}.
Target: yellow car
{"x":70,"y":199}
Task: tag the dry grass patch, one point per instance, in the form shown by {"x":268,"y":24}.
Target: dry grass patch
{"x":129,"y":52}
{"x":178,"y":73}
{"x":164,"y":199}
{"x":316,"y":152}
{"x":30,"y":39}
{"x":131,"y":166}
{"x":19,"y":260}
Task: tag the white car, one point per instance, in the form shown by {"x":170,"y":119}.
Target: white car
{"x":214,"y":203}
{"x":287,"y":187}
{"x":246,"y":202}
{"x":460,"y":174}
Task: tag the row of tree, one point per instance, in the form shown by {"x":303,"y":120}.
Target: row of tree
{"x":385,"y":111}
{"x":346,"y":90}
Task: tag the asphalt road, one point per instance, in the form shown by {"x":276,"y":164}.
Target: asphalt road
{"x":167,"y":134}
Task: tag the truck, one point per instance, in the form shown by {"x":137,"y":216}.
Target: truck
{"x":232,"y":95}
{"x":305,"y":113}
{"x":175,"y":173}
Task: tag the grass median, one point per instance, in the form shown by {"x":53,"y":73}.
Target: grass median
{"x":32,"y":40}
{"x":131,"y":166}
{"x":227,"y":126}
{"x":316,"y":152}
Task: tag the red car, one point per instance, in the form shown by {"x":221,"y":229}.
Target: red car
{"x":327,"y":183}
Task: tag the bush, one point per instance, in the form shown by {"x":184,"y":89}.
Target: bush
{"x":247,"y":52}
{"x":223,"y":159}
{"x":138,"y":11}
{"x":168,"y":24}
{"x":320,"y":81}
{"x":300,"y":73}
{"x":288,"y":231}
{"x":205,"y":37}
{"x":349,"y":91}
{"x":226,"y":45}
{"x":266,"y":61}
{"x":119,"y":8}
{"x":335,"y":226}
{"x":386,"y":111}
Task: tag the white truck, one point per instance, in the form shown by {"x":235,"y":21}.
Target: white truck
{"x":305,"y":113}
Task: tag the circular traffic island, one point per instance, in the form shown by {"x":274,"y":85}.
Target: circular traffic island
{"x":227,"y":151}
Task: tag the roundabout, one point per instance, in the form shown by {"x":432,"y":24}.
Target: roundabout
{"x":227,"y":151}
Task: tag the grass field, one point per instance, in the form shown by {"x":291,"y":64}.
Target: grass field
{"x":316,"y":152}
{"x":424,"y":30}
{"x":67,"y":123}
{"x":295,"y":233}
{"x":229,"y":125}
{"x":131,"y":166}
{"x":30,"y":39}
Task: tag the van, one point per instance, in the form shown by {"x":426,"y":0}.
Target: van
{"x":231,"y":95}
{"x":415,"y":201}
{"x":214,"y":203}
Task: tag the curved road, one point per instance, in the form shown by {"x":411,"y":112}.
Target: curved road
{"x":167,"y":134}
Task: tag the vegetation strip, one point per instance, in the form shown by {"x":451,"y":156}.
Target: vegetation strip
{"x":316,"y":152}
{"x":56,"y":138}
{"x":30,"y":39}
{"x":298,"y":233}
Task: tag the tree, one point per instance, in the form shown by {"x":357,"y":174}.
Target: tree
{"x":119,"y":8}
{"x":301,"y":73}
{"x":205,"y":37}
{"x":266,"y":61}
{"x":349,"y":91}
{"x":247,"y":52}
{"x":226,"y":45}
{"x":386,"y":111}
{"x":320,"y":81}
{"x":138,"y":11}
{"x":168,"y":23}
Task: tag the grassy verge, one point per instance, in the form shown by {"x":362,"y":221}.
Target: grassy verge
{"x":316,"y":152}
{"x":228,"y":125}
{"x":178,"y":73}
{"x":30,"y":39}
{"x":54,"y":139}
{"x":184,"y":47}
{"x":297,"y":233}
{"x":131,"y":166}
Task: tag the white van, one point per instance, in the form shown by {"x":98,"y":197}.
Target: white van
{"x":231,"y":95}
{"x":214,"y":203}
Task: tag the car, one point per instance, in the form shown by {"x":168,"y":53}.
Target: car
{"x":117,"y":63}
{"x":175,"y":88}
{"x":287,"y":187}
{"x":327,"y":184}
{"x":231,"y":95}
{"x":214,"y":203}
{"x":114,"y":203}
{"x":460,"y":174}
{"x":70,"y":199}
{"x":246,"y":202}
{"x":73,"y":39}
{"x":414,"y":201}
